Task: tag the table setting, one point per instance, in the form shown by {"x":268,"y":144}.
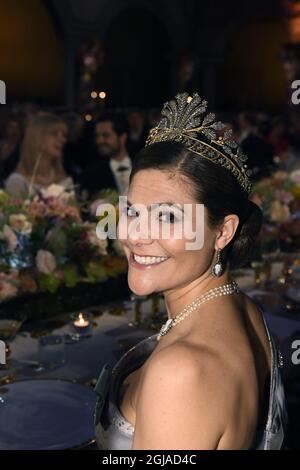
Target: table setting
{"x":46,"y":386}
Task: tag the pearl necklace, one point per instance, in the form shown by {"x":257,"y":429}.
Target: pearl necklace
{"x":225,"y":289}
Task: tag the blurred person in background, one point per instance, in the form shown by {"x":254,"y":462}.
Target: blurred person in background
{"x":263,"y":123}
{"x":77,"y":151}
{"x":40,"y":163}
{"x":278,"y":137}
{"x":280,"y":143}
{"x":10,"y":145}
{"x":113,"y":165}
{"x":153,"y":117}
{"x":294,"y":135}
{"x":258,"y":150}
{"x":137,"y":132}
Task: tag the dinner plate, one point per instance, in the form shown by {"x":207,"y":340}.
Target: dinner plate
{"x":45,"y":415}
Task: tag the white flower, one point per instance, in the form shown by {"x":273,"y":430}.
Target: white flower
{"x":20,"y":223}
{"x":45,"y":262}
{"x":295,"y":176}
{"x":100,"y":244}
{"x":10,"y":237}
{"x":57,"y":191}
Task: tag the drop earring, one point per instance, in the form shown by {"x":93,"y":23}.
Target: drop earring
{"x":217,"y":269}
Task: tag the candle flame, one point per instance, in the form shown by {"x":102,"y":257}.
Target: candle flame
{"x":81,"y":321}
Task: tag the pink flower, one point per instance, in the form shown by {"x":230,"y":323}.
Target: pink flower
{"x":95,"y":204}
{"x":101,"y":245}
{"x":58,"y":208}
{"x":37,"y":209}
{"x":45,"y":262}
{"x":11,"y":276}
{"x":280,"y":175}
{"x":285,"y":197}
{"x":10,"y":237}
{"x":7,"y":290}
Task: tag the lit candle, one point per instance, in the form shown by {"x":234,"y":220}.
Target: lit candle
{"x":81,"y":322}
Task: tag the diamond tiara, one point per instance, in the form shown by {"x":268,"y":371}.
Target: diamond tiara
{"x":182,"y":121}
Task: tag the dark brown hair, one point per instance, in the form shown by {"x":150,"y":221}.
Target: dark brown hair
{"x":211,"y":185}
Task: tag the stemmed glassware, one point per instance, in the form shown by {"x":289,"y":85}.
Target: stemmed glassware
{"x":268,"y":251}
{"x":290,"y":261}
{"x":136,"y":301}
{"x":153,"y":320}
{"x":9,"y":328}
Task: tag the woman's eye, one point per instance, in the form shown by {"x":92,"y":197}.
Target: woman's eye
{"x":168,"y":217}
{"x":130,"y":212}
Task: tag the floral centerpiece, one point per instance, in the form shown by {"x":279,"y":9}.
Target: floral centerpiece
{"x":279,"y":198}
{"x":49,"y":241}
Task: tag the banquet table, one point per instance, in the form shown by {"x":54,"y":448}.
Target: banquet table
{"x":111,"y":337}
{"x":113,"y":333}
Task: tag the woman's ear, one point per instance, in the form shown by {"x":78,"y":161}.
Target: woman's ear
{"x":227,"y":231}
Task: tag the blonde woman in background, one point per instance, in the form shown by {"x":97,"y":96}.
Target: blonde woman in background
{"x":40,"y":158}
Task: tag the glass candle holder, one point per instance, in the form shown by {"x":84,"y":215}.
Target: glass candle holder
{"x":82,"y":323}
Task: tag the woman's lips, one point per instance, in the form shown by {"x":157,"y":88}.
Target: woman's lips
{"x":137,"y":265}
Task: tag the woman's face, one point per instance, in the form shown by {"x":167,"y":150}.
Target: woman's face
{"x":172,"y":264}
{"x":54,"y":140}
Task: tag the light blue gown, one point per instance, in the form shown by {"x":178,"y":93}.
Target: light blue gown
{"x":113,"y":432}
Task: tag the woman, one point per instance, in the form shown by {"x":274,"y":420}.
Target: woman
{"x":212,"y":380}
{"x":41,"y":157}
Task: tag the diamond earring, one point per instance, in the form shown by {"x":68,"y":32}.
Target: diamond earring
{"x":217,"y":269}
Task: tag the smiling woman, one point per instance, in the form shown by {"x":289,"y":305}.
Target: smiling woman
{"x":213,"y":380}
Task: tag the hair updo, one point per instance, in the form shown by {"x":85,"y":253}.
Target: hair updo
{"x":211,"y":185}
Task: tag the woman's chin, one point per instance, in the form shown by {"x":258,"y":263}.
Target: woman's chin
{"x":139,"y":289}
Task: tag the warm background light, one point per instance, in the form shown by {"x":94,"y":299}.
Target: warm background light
{"x":31,"y":56}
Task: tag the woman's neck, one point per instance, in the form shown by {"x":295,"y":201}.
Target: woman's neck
{"x":180,"y":298}
{"x":176,"y":300}
{"x":48,"y":171}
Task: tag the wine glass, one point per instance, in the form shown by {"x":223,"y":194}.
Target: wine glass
{"x":9,"y":327}
{"x":156,"y":319}
{"x":137,"y":301}
{"x":270,"y":251}
{"x":290,"y":261}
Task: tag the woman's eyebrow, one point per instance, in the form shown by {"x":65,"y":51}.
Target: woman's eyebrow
{"x":166,"y":203}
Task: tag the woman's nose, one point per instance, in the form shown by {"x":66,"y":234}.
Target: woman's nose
{"x":140,"y":233}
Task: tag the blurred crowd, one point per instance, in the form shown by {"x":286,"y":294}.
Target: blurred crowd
{"x":40,"y":147}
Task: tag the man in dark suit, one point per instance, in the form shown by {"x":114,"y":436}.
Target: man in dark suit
{"x":112,"y":166}
{"x":257,"y":149}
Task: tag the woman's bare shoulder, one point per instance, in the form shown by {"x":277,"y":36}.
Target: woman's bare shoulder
{"x":185,"y":389}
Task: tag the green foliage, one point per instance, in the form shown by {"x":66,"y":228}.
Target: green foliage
{"x":49,"y":282}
